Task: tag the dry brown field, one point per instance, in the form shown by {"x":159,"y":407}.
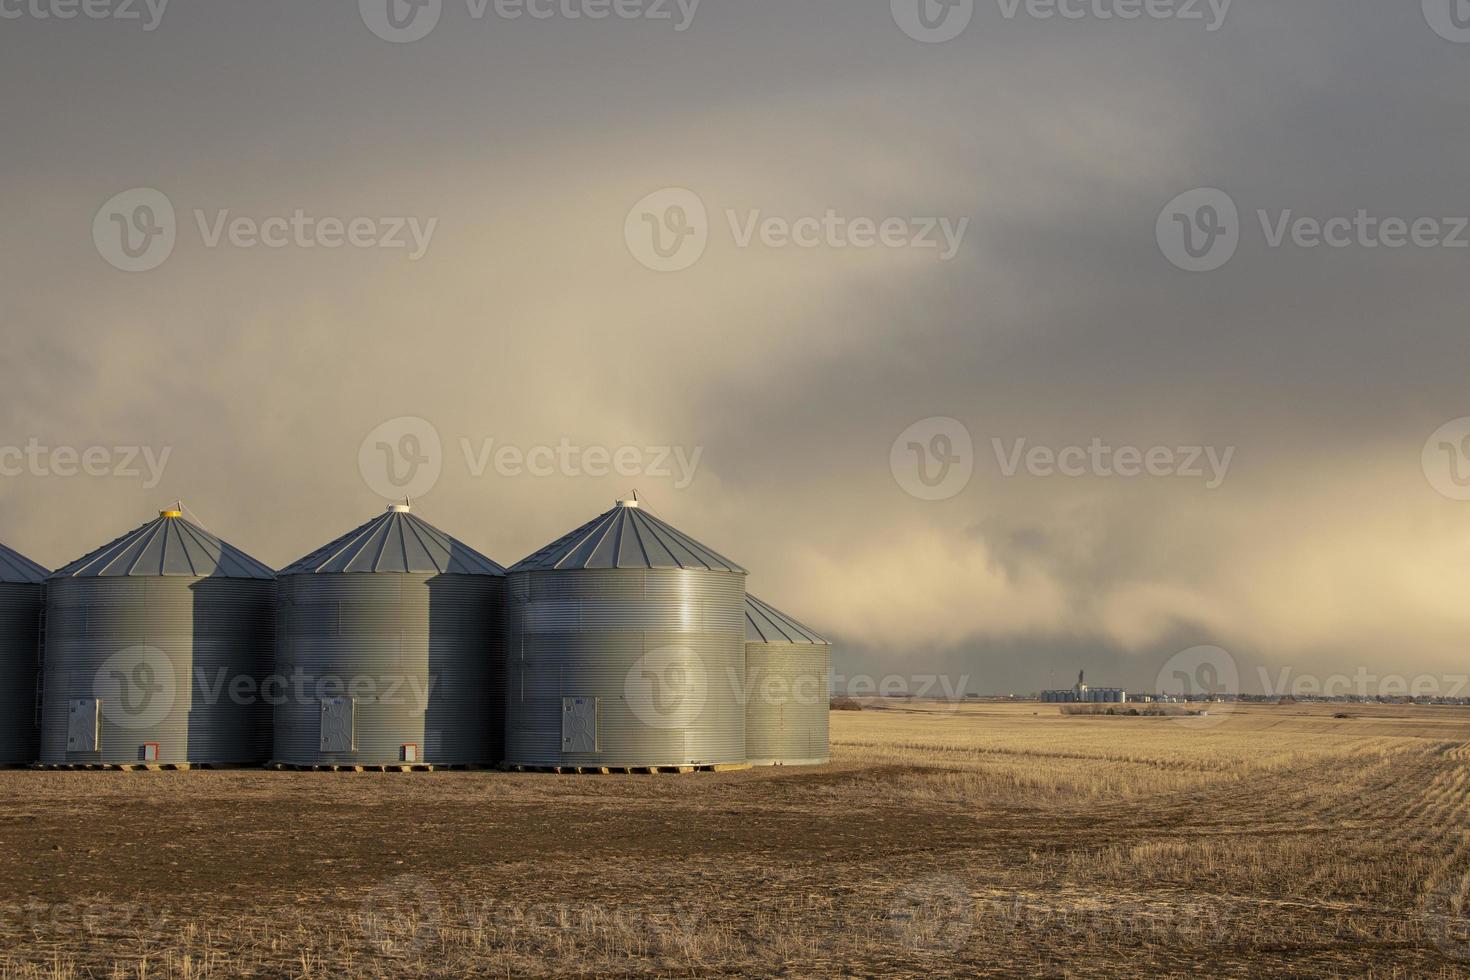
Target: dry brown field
{"x":989,"y":840}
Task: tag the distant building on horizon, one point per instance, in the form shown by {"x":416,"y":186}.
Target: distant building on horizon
{"x":1080,"y":693}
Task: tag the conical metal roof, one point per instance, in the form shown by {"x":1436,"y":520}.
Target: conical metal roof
{"x":17,"y":569}
{"x":626,"y":537}
{"x":766,"y":624}
{"x":395,"y":541}
{"x":168,"y":546}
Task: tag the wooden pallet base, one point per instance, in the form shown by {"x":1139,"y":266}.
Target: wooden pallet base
{"x":404,"y":767}
{"x":355,"y":767}
{"x":623,"y":770}
{"x":135,"y":766}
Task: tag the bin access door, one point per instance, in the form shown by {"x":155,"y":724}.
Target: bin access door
{"x":339,"y":725}
{"x":83,"y":725}
{"x":579,"y":724}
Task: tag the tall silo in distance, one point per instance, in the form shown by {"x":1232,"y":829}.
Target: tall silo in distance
{"x":156,"y":649}
{"x":391,"y":647}
{"x":788,"y":689}
{"x":626,"y":649}
{"x":22,"y":598}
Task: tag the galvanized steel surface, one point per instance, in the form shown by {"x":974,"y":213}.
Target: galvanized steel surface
{"x":20,"y":615}
{"x":765,"y":623}
{"x":659,"y":654}
{"x":396,"y":541}
{"x":175,"y":661}
{"x":168,"y":546}
{"x":626,"y":537}
{"x":788,"y":680}
{"x":421,"y":656}
{"x":17,"y":569}
{"x":787,"y":710}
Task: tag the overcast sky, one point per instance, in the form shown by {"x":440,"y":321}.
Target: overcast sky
{"x":469,"y":240}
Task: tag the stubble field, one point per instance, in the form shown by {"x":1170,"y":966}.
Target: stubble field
{"x":992,"y":839}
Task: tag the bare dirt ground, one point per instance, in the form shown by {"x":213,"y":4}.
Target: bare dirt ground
{"x":993,"y":839}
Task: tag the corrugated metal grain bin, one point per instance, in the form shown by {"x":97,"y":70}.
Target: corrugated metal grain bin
{"x":392,"y":642}
{"x":156,"y":649}
{"x":22,"y":598}
{"x":787,"y":677}
{"x":626,"y":648}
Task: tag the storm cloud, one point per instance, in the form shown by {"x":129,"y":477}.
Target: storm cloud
{"x":801,"y":342}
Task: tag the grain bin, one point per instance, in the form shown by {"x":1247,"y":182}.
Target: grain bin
{"x":22,"y":598}
{"x":626,"y":649}
{"x":392,"y":648}
{"x":156,"y":648}
{"x":787,"y":677}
